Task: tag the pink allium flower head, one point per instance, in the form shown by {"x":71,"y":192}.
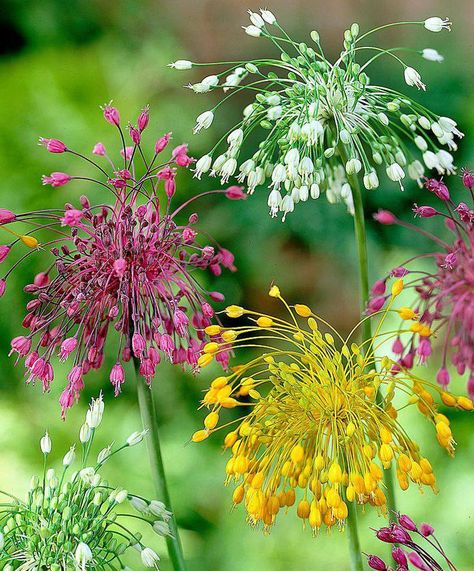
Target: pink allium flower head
{"x":385,"y":217}
{"x":56,"y":179}
{"x":124,"y":269}
{"x":6,"y":216}
{"x":111,"y":114}
{"x":444,"y":294}
{"x":375,"y":562}
{"x":53,"y":145}
{"x":98,"y":149}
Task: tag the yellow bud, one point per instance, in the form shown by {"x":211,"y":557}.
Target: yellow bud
{"x":319,"y":462}
{"x":350,"y":429}
{"x":443,"y":430}
{"x":425,"y":331}
{"x":234,"y":311}
{"x":416,"y":472}
{"x":200,"y":435}
{"x":407,"y":313}
{"x":212,"y":330}
{"x":386,"y":454}
{"x":465,"y":403}
{"x":29,"y":241}
{"x":335,"y":473}
{"x":416,"y":327}
{"x":404,"y":463}
{"x":303,"y":509}
{"x":290,"y":497}
{"x":303,"y":310}
{"x":211,"y":420}
{"x":426,"y":466}
{"x":219,"y":382}
{"x":385,"y":435}
{"x":375,"y":471}
{"x":229,"y":335}
{"x":230,"y":439}
{"x":397,"y":288}
{"x":205,"y":360}
{"x":211,"y":347}
{"x":329,"y":338}
{"x":238,"y":494}
{"x":315,"y":518}
{"x":264,"y":322}
{"x":257,"y":480}
{"x":448,"y":399}
{"x":297,"y":454}
{"x":229,"y":402}
{"x":241,"y":464}
{"x":368,"y":451}
{"x":403,"y":480}
{"x":350,"y":493}
{"x":442,"y":418}
{"x":312,"y":324}
{"x":274,"y":291}
{"x":341,"y":511}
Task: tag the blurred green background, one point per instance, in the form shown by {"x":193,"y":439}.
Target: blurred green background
{"x":58,"y":63}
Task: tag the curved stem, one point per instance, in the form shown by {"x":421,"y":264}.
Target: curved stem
{"x":354,"y":544}
{"x":148,"y":414}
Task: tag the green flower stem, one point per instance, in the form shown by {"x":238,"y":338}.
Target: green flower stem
{"x":148,"y":414}
{"x":354,"y":544}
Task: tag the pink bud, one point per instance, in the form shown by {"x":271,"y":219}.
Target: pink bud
{"x":397,"y":346}
{"x":378,"y":288}
{"x":450,"y":261}
{"x":56,"y":179}
{"x":443,"y":377}
{"x":424,"y":211}
{"x":155,"y":357}
{"x":235,"y":193}
{"x":426,"y":529}
{"x":138,"y":344}
{"x":6,"y":216}
{"x":399,"y":272}
{"x":143,"y":118}
{"x":120,"y":267}
{"x":417,"y":561}
{"x":53,"y":145}
{"x":399,"y":556}
{"x":111,"y":114}
{"x":375,"y":304}
{"x":438,"y":188}
{"x":170,"y":187}
{"x":470,"y":387}
{"x":467,"y":178}
{"x":162,"y":143}
{"x":406,"y":522}
{"x":72,"y":217}
{"x":41,"y":279}
{"x":424,"y":350}
{"x":385,"y":217}
{"x":127,"y":153}
{"x":375,"y":562}
{"x":134,"y":134}
{"x":216,"y":296}
{"x":67,"y":347}
{"x":117,"y":377}
{"x":98,"y":149}
{"x":4,"y":251}
{"x":189,"y":235}
{"x":179,"y":150}
{"x":408,"y":360}
{"x":21,"y":345}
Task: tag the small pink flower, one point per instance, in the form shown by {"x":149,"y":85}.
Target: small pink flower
{"x":424,"y":211}
{"x":21,"y":345}
{"x":189,"y":235}
{"x":72,"y":217}
{"x":143,"y":118}
{"x":127,"y":153}
{"x":56,"y":179}
{"x":6,"y":216}
{"x":41,"y":279}
{"x":399,"y":272}
{"x":385,"y":217}
{"x":376,"y":563}
{"x":138,"y":344}
{"x":98,"y":149}
{"x":375,"y":304}
{"x":4,"y":251}
{"x":438,"y":188}
{"x":417,"y":561}
{"x":406,"y":522}
{"x":111,"y":114}
{"x":117,"y":377}
{"x":134,"y":134}
{"x":379,"y":287}
{"x":426,"y":529}
{"x":170,"y":187}
{"x":467,"y":178}
{"x":235,"y":193}
{"x":53,"y":145}
{"x":67,"y":347}
{"x":162,"y":143}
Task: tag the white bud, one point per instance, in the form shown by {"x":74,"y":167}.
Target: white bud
{"x":304,"y":193}
{"x":446,"y":161}
{"x":69,"y":457}
{"x":383,"y":119}
{"x":294,"y":132}
{"x":210,"y":80}
{"x":203,"y":121}
{"x":416,"y":170}
{"x":287,"y":205}
{"x":85,"y":433}
{"x":421,"y":143}
{"x":413,"y":78}
{"x":235,"y":138}
{"x":136,"y":438}
{"x":120,"y":496}
{"x":371,"y":180}
{"x":256,"y":19}
{"x":83,"y":555}
{"x":200,"y":87}
{"x":346,"y":191}
{"x":432,"y":55}
{"x":295,"y":194}
{"x":45,"y":444}
{"x":432,"y":161}
{"x":306,"y":166}
{"x":248,"y":110}
{"x":345,"y":136}
{"x":149,"y":557}
{"x":268,"y":16}
{"x":395,"y":172}
{"x":436,"y":24}
{"x":158,"y":509}
{"x":424,"y":122}
{"x":274,"y":113}
{"x":400,"y":158}
{"x":95,"y":412}
{"x":218,"y":163}
{"x":353,"y":166}
{"x":314,"y":191}
{"x":202,"y":166}
{"x":104,"y":454}
{"x":181,"y":64}
{"x":161,"y":528}
{"x":377,"y":158}
{"x":437,"y":130}
{"x":139,"y":504}
{"x":252,"y":31}
{"x":278,"y":175}
{"x":292,"y":157}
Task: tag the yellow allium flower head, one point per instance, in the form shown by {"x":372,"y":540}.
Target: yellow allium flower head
{"x":317,"y":436}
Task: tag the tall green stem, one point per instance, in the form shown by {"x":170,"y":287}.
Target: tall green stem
{"x":148,"y":414}
{"x":354,"y":544}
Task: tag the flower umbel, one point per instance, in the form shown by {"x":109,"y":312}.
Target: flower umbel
{"x":444,"y":303}
{"x":320,"y":122}
{"x":315,"y":434}
{"x":126,"y":266}
{"x":71,"y":519}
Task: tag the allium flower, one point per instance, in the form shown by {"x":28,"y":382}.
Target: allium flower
{"x":417,"y":546}
{"x":315,"y":434}
{"x":318,"y":123}
{"x":127,"y":266}
{"x":444,"y":303}
{"x":73,"y":519}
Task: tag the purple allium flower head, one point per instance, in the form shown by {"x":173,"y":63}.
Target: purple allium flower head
{"x":124,"y":268}
{"x":445,"y":296}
